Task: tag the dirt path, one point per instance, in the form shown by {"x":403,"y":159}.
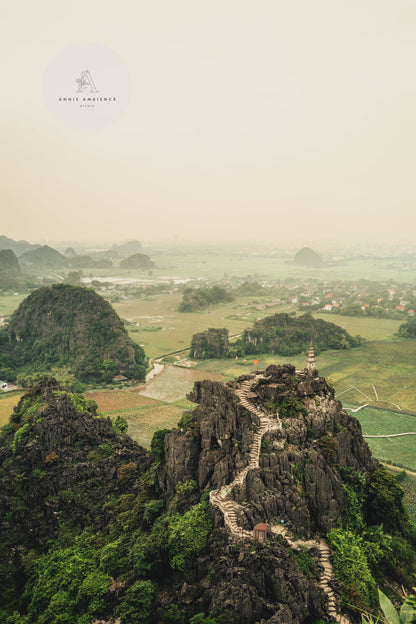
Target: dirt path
{"x":223,"y":499}
{"x":397,"y":469}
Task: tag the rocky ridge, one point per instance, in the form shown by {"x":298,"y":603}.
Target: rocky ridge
{"x":269,"y":447}
{"x":222,"y":498}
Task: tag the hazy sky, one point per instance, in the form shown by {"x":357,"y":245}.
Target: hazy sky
{"x":260,"y":120}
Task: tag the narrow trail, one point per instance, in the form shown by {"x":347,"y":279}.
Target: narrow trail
{"x":223,"y":499}
{"x":390,"y":435}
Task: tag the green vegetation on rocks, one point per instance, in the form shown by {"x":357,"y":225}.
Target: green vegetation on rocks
{"x":199,"y":298}
{"x":288,"y":335}
{"x":137,"y":261}
{"x":96,"y":528}
{"x":71,"y":328}
{"x":212,"y":343}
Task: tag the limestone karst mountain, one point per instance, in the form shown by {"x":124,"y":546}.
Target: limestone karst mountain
{"x":44,"y":257}
{"x":308,"y":257}
{"x":73,"y":327}
{"x":138,"y":261}
{"x":18,"y":247}
{"x":170,"y":538}
{"x":9,"y":269}
{"x":125,"y":249}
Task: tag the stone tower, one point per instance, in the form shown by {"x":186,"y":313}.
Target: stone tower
{"x":311,"y":359}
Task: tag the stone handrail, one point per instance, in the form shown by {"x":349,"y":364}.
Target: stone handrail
{"x":222,"y":498}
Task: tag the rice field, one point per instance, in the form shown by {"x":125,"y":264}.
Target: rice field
{"x":174,"y":330}
{"x":401,"y":450}
{"x":7,"y":402}
{"x":123,"y":398}
{"x":380,"y":373}
{"x":175,"y":383}
{"x":144,"y":421}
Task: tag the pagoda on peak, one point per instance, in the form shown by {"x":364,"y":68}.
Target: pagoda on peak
{"x":311,"y":359}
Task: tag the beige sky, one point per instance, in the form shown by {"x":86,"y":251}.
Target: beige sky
{"x":261,"y":120}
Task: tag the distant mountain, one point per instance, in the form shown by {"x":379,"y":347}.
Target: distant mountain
{"x":8,"y":261}
{"x":86,"y":262}
{"x":125,"y":249}
{"x":19,"y":247}
{"x":137,"y":261}
{"x":9,"y":268}
{"x":70,"y":327}
{"x":308,"y":257}
{"x":43,"y":258}
{"x":70,"y":252}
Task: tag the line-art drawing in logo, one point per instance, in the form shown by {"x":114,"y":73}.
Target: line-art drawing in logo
{"x":86,"y":81}
{"x":86,"y":87}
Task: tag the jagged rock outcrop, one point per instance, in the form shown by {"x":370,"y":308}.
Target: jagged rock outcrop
{"x":164,"y":542}
{"x":59,"y":464}
{"x":298,"y":479}
{"x":272,"y":445}
{"x":250,"y":583}
{"x":215,"y":445}
{"x":212,"y":343}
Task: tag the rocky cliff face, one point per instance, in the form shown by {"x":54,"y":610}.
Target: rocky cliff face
{"x":59,"y":463}
{"x":272,"y":446}
{"x":173,"y":542}
{"x":215,"y":445}
{"x":298,"y":479}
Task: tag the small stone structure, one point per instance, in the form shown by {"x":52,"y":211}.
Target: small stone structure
{"x":311,"y":358}
{"x":260,"y":532}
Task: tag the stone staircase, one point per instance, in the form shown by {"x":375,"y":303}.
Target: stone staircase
{"x":222,"y":498}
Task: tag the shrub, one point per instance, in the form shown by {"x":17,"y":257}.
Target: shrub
{"x":152,"y":510}
{"x":385,"y":501}
{"x":158,"y":443}
{"x":66,"y":583}
{"x":51,"y":458}
{"x":138,"y":604}
{"x":18,"y":436}
{"x":186,"y":487}
{"x":113,"y":557}
{"x":120,"y":424}
{"x":126,"y":471}
{"x":186,"y":420}
{"x":291,"y":407}
{"x":351,"y":568}
{"x":188,"y":535}
{"x":328,"y":446}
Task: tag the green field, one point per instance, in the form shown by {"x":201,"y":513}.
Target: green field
{"x":177,"y":328}
{"x":7,"y":402}
{"x":366,"y":327}
{"x":379,"y":373}
{"x":215,"y":264}
{"x":9,"y":303}
{"x":402,"y":450}
{"x":162,"y":329}
{"x":144,"y":421}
